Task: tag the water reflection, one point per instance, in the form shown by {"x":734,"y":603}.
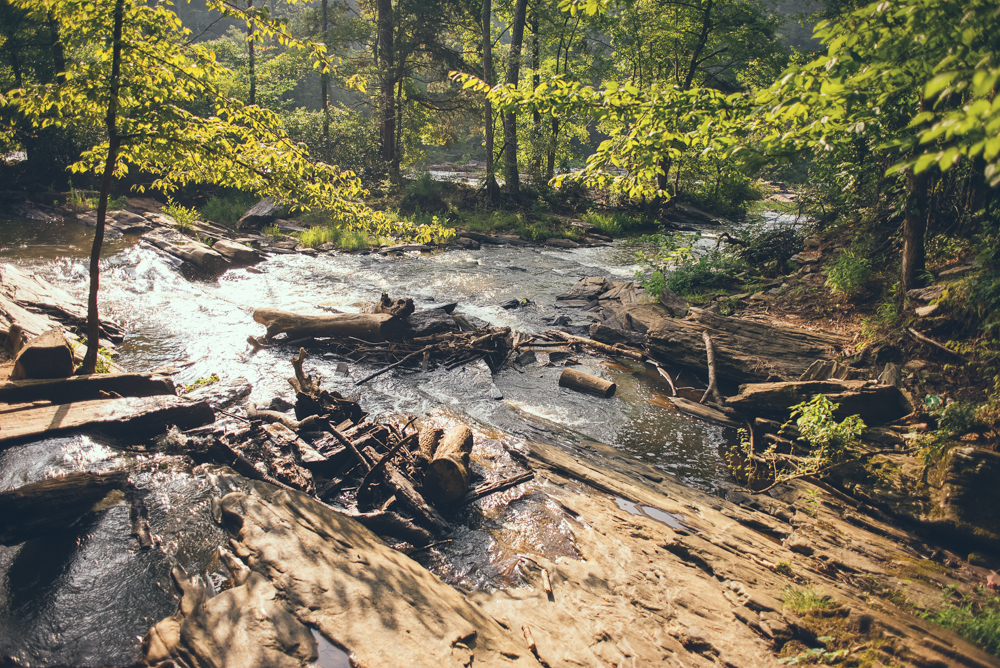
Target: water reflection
{"x":82,"y":598}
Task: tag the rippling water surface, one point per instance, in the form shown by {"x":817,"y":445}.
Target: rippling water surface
{"x":83,"y":597}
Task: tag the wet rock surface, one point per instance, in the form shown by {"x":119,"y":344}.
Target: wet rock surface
{"x":665,"y":575}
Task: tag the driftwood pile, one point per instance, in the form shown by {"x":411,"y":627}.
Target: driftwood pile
{"x":396,"y":481}
{"x":393,"y":335}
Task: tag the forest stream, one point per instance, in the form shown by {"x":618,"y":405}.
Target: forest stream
{"x":86,"y":596}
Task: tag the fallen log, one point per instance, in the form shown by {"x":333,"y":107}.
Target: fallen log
{"x":129,"y":417}
{"x":713,"y":383}
{"x":407,"y":494}
{"x":486,"y":489}
{"x":584,"y":382}
{"x":449,"y":474}
{"x":387,"y":523}
{"x":255,"y":413}
{"x":371,"y":327}
{"x":87,"y":388}
{"x":745,"y":351}
{"x":53,"y":504}
{"x":597,"y":345}
{"x":876,"y":404}
{"x":702,"y":411}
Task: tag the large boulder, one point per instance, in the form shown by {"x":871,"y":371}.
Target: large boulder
{"x":587,"y":288}
{"x":45,"y":356}
{"x":238,"y":255}
{"x":260,"y":214}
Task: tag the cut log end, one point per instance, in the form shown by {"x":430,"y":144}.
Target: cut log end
{"x":584,"y":382}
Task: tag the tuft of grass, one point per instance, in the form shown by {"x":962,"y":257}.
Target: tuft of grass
{"x":805,"y":600}
{"x":349,"y":240}
{"x":848,"y":274}
{"x":316,"y":236}
{"x":617,"y":223}
{"x":272,"y":231}
{"x":228,"y":209}
{"x":185,"y":217}
{"x":976,"y":621}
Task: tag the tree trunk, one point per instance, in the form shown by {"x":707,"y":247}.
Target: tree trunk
{"x":510,"y":119}
{"x":492,"y":189}
{"x":536,"y":116}
{"x":252,"y":56}
{"x":114,"y":141}
{"x":387,"y":98}
{"x":324,"y":79}
{"x":914,"y":227}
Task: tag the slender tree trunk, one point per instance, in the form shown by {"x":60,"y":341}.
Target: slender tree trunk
{"x":324,"y":79}
{"x":914,"y":227}
{"x":550,"y":168}
{"x":492,"y":189}
{"x":510,"y":119}
{"x":387,"y":98}
{"x":56,"y":45}
{"x":252,"y":53}
{"x":114,"y":141}
{"x":536,"y":116}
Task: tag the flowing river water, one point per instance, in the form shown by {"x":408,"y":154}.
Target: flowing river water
{"x":84,"y":597}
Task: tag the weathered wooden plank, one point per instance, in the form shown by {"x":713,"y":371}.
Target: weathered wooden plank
{"x":87,"y":388}
{"x":134,"y":418}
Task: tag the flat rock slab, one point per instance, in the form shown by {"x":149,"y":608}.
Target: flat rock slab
{"x":87,"y":388}
{"x":388,"y":610}
{"x":133,"y":418}
{"x":37,"y":306}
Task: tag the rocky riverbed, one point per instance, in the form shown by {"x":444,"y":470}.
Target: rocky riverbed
{"x":646,"y":570}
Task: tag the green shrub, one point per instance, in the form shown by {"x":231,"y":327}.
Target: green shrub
{"x":617,"y":223}
{"x":848,"y":274}
{"x":185,"y":217}
{"x":423,"y":194}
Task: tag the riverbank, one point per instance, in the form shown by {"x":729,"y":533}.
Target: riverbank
{"x":615,"y":522}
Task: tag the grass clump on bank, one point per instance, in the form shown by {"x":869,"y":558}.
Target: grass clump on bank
{"x":618,"y":223}
{"x":344,"y":239}
{"x":227,"y":209}
{"x":976,"y":621}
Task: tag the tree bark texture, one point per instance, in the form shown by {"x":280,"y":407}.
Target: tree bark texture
{"x":114,"y":142}
{"x":387,"y":99}
{"x":449,"y":473}
{"x":914,"y":228}
{"x":511,"y":175}
{"x":372,"y":327}
{"x":584,"y":382}
{"x":492,"y":189}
